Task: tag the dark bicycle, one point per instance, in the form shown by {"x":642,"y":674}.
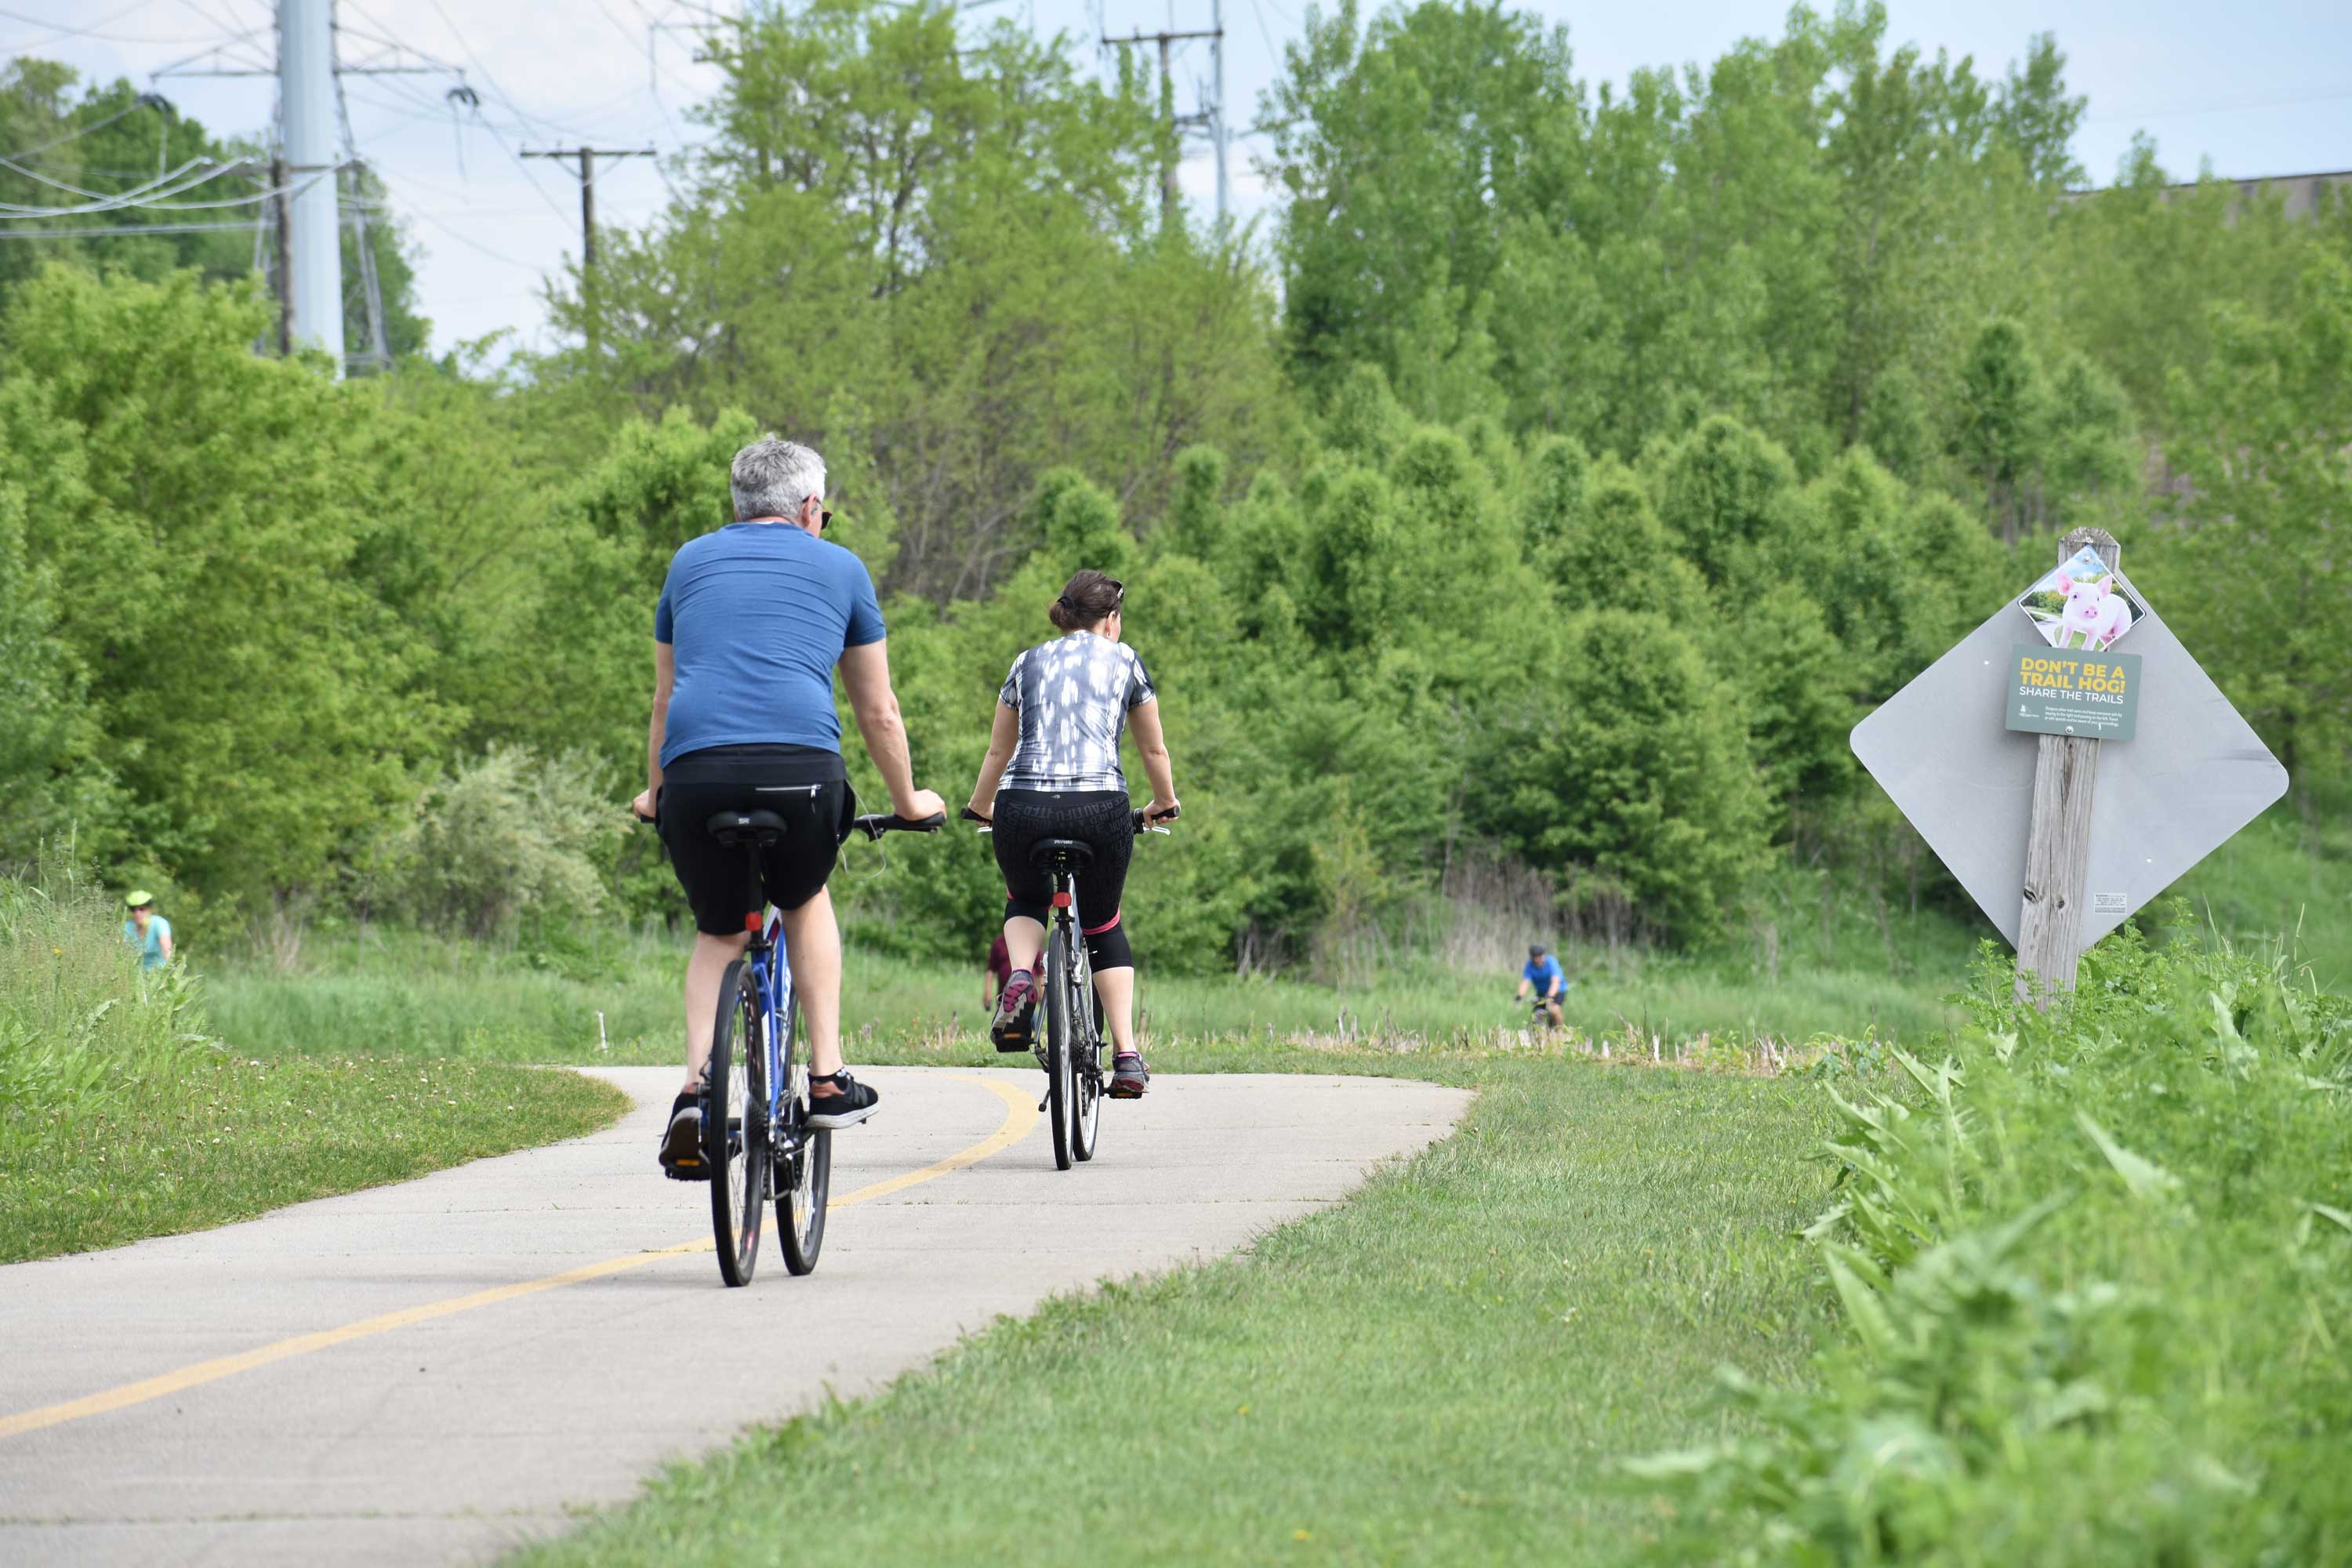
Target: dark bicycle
{"x":756,"y":1141}
{"x":1071,"y":1046}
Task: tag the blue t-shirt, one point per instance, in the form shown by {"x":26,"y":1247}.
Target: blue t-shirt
{"x":1541,"y":972}
{"x":151,"y":946}
{"x":759,"y":614}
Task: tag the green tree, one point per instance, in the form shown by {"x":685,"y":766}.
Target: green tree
{"x":68,"y":150}
{"x":1635,"y":771}
{"x":200,"y":509}
{"x":949,"y":251}
{"x":49,"y":776}
{"x":2256,"y":580}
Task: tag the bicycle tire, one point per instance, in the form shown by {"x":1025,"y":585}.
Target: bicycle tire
{"x":803,"y":1183}
{"x":1058,"y":1044}
{"x":1086,"y":1087}
{"x":735,"y":1125}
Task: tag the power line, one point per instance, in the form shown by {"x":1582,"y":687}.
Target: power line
{"x":2114,"y":114}
{"x":89,"y":32}
{"x":145,"y":100}
{"x":121,"y":199}
{"x":460,"y":237}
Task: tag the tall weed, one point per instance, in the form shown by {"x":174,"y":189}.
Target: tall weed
{"x":2087,"y":1267}
{"x":80,"y":1024}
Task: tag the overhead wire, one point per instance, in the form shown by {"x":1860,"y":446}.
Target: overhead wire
{"x":115,"y":200}
{"x":11,"y":211}
{"x":79,"y":132}
{"x":57,"y":32}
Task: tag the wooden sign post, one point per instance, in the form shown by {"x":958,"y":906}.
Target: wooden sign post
{"x":2058,"y":840}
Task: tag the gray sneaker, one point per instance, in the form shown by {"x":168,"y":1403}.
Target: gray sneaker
{"x":1012,"y":1029}
{"x":1129,"y":1076}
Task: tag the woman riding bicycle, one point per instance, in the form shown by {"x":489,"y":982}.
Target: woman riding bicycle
{"x":1058,"y":721}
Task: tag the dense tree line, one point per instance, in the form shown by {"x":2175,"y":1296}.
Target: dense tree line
{"x":1555,"y":483}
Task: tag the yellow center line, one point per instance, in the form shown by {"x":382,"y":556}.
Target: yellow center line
{"x":1020,"y":1117}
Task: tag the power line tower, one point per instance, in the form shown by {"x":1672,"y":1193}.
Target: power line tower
{"x":307,"y":212}
{"x":1210,"y":119}
{"x":306,"y":109}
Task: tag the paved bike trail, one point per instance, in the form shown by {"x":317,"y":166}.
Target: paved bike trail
{"x":435,"y":1371}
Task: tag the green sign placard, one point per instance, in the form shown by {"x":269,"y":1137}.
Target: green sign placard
{"x":2061,"y":692}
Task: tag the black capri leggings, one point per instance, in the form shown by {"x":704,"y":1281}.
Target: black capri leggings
{"x":1103,"y":820}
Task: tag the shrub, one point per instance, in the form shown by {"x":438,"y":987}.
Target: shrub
{"x":508,"y":832}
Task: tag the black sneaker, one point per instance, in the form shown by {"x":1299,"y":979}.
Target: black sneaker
{"x":681,"y":1144}
{"x":1016,"y":1009}
{"x":1127,"y":1075}
{"x":853,"y":1104}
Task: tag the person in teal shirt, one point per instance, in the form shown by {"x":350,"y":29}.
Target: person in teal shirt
{"x":148,"y":931}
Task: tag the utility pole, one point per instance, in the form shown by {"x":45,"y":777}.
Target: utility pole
{"x":285,"y":259}
{"x":1212,"y":118}
{"x":1217,"y":60}
{"x":306,"y":94}
{"x":583,"y":160}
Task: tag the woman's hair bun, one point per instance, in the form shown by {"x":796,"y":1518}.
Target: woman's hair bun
{"x":1086,"y":599}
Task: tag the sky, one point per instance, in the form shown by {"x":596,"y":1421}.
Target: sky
{"x":2264,"y":88}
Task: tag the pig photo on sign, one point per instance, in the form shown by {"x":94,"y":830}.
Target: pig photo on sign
{"x":2092,"y":609}
{"x":2084,"y":603}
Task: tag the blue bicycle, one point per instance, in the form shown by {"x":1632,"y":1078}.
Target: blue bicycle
{"x":756,"y":1141}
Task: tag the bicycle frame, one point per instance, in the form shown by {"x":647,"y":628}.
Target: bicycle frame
{"x":1065,"y":921}
{"x":771,"y":971}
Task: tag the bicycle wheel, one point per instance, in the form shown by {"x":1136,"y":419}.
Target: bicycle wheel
{"x":803,"y":1172}
{"x":1060,"y":1044}
{"x":1086,"y":1075}
{"x":735,"y":1125}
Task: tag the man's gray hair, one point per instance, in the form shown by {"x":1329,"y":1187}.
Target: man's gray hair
{"x":771,"y":478}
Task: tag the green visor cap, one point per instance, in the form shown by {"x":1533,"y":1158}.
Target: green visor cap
{"x":132,"y":900}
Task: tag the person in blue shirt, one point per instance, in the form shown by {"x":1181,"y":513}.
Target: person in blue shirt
{"x":1543,"y":977}
{"x":145,"y":929}
{"x":751,"y":621}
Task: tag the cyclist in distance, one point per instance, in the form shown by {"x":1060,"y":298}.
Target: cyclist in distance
{"x":1054,"y":750}
{"x":751,"y":621}
{"x":1543,"y":977}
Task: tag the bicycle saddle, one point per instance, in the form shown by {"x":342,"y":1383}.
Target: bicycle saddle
{"x":737,"y":828}
{"x":1048,"y":854}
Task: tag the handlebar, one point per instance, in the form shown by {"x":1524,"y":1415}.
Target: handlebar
{"x":876,"y":824}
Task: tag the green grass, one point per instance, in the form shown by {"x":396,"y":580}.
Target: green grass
{"x":236,"y":1137}
{"x":2288,"y":874}
{"x":394,"y":992}
{"x":1443,"y":1369}
{"x":123,"y":1115}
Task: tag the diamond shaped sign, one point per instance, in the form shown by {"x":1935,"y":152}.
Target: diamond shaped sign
{"x":2193,"y":774}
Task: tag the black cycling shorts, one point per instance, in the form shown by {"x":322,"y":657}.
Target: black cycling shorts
{"x":1103,"y":820}
{"x":808,"y":787}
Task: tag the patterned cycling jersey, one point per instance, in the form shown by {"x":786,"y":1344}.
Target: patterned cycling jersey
{"x":1073,"y":695}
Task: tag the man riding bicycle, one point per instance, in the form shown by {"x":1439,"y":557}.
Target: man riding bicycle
{"x":1543,"y":977}
{"x":751,"y":621}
